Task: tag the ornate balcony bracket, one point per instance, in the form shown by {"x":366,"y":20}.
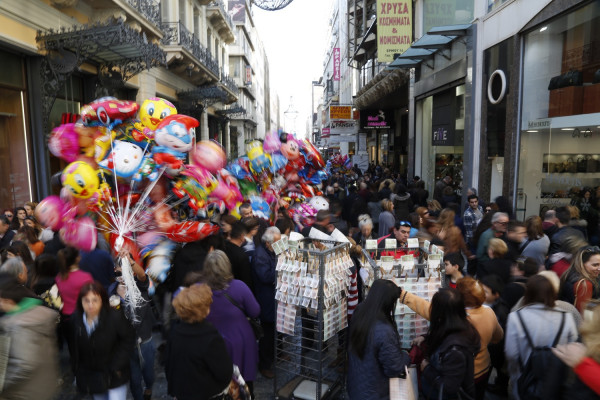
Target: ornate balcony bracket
{"x":118,"y":50}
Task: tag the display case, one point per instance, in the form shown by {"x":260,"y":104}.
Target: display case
{"x":450,"y":164}
{"x":571,"y":163}
{"x":312,"y":314}
{"x":419,"y":271}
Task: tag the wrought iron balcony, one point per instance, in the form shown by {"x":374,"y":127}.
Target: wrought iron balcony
{"x":177,"y":34}
{"x":230,"y":84}
{"x":148,"y":8}
{"x":221,"y":20}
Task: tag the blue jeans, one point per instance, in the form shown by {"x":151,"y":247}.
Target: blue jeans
{"x":142,"y":367}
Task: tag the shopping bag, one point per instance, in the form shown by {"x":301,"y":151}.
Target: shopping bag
{"x":405,"y":388}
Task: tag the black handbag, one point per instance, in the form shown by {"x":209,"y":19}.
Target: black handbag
{"x":571,"y":78}
{"x":554,"y":82}
{"x":596,"y":77}
{"x":254,"y":322}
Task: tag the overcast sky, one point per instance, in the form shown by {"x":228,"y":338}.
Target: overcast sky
{"x":295,"y":40}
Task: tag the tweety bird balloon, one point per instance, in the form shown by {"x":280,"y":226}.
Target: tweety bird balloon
{"x":153,"y":111}
{"x":80,"y":179}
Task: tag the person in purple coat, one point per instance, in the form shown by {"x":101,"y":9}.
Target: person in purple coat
{"x":232,"y":303}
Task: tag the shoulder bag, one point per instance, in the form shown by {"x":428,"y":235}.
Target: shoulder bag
{"x":254,"y":322}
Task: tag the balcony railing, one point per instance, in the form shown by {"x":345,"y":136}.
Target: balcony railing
{"x":230,"y":84}
{"x":224,"y":12}
{"x":177,"y":34}
{"x":148,"y":8}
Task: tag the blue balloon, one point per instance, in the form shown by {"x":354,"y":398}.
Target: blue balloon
{"x":278,"y":161}
{"x":237,"y":171}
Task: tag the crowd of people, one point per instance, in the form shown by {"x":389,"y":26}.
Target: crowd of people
{"x":514,"y":288}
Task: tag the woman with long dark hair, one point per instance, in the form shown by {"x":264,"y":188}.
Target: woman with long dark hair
{"x":375,"y":353}
{"x":580,"y":282}
{"x":452,"y":343}
{"x":104,"y":341}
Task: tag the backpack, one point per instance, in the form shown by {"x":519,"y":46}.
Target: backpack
{"x":543,"y":374}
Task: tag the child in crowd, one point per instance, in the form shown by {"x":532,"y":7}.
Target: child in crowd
{"x":453,"y":264}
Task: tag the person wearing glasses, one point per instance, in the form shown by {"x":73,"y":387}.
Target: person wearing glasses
{"x":580,"y":284}
{"x":498,"y":230}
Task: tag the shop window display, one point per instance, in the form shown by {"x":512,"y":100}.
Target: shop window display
{"x":560,"y":125}
{"x":442,"y":121}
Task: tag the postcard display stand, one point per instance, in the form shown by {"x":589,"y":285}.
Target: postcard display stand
{"x":420,"y":272}
{"x":313,"y":277}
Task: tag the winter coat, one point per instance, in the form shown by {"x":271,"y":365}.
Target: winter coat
{"x":452,"y":365}
{"x":368,"y":378}
{"x":542,"y":324}
{"x":102,"y":359}
{"x":577,"y":290}
{"x":403,"y":206}
{"x":197,"y":364}
{"x":265,"y":277}
{"x":32,"y":369}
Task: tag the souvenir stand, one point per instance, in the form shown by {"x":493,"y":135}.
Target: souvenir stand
{"x":312,"y":286}
{"x":419,"y":271}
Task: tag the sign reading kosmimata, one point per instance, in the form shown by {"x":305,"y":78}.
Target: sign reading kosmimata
{"x":394,"y":28}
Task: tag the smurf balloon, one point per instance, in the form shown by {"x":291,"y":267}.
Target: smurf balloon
{"x":174,"y":138}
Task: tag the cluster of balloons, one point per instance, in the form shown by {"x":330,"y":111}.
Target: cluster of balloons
{"x":137,"y":175}
{"x":339,"y":163}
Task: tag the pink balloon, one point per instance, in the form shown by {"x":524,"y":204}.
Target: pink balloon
{"x":209,"y":155}
{"x":272,"y":142}
{"x":80,"y":233}
{"x":50,"y":212}
{"x":64,"y":142}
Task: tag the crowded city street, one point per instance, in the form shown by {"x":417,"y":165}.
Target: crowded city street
{"x":299,"y":199}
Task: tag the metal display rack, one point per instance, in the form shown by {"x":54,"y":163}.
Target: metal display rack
{"x":310,"y":344}
{"x":421,"y":279}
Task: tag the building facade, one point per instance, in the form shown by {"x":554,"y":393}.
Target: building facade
{"x":501,"y":96}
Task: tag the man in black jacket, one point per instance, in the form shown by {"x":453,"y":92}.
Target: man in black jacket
{"x":6,"y":235}
{"x":563,"y":216}
{"x":240,"y":263}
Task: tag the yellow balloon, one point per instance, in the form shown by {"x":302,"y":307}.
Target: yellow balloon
{"x":80,"y":179}
{"x":154,"y":110}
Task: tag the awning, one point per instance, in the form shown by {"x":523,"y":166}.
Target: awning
{"x":436,"y":41}
{"x":206,"y":95}
{"x":118,"y":50}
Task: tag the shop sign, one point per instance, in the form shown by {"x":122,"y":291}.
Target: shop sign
{"x":325,"y":132}
{"x":343,"y":127}
{"x":394,"y":28}
{"x":376,"y":119}
{"x":336,"y":63}
{"x":539,"y":124}
{"x":248,"y":81}
{"x":340,"y":112}
{"x":237,"y":10}
{"x":442,"y":136}
{"x":446,"y":12}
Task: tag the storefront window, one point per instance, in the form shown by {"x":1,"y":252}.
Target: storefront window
{"x":494,"y":4}
{"x":446,"y":12}
{"x":560,"y":126}
{"x":443,"y":123}
{"x":15,"y":179}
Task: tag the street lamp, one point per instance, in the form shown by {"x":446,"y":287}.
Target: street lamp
{"x":291,"y":113}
